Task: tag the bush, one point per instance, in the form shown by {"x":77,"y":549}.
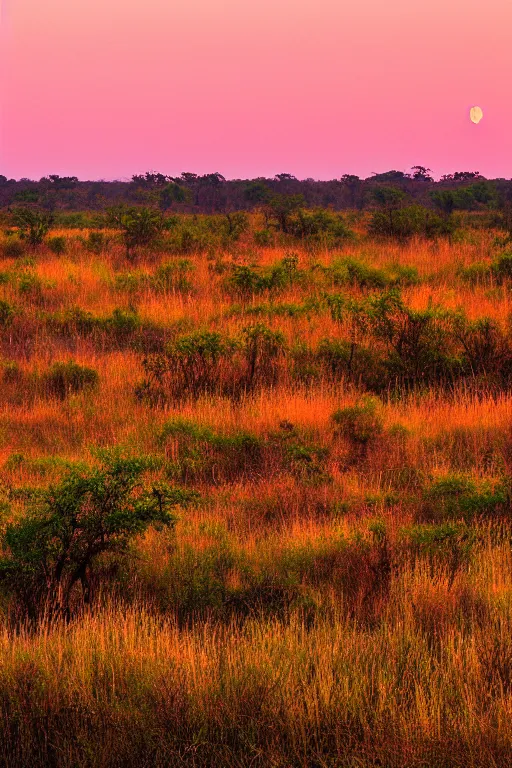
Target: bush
{"x":412,"y":220}
{"x":460,"y":497}
{"x":502,"y":268}
{"x":191,"y":365}
{"x":140,"y":227}
{"x":33,"y":225}
{"x":7,"y":313}
{"x":262,"y":347}
{"x":247,"y":281}
{"x":57,"y":543}
{"x":57,"y":245}
{"x":358,"y":364}
{"x":360,"y":423}
{"x":477,"y":273}
{"x":96,"y":242}
{"x":200,"y":453}
{"x":450,"y":543}
{"x":68,"y":378}
{"x":121,"y":323}
{"x":173,"y":276}
{"x":420,"y":344}
{"x":13,"y":248}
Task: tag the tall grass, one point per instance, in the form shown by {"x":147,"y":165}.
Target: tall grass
{"x":328,"y":601}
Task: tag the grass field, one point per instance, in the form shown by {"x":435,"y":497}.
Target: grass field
{"x":340,"y":592}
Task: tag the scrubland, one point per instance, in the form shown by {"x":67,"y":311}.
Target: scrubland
{"x":339,"y":592}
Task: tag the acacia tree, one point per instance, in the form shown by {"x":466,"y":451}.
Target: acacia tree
{"x":140,"y":227}
{"x":33,"y":225}
{"x":56,"y":544}
{"x":280,"y":208}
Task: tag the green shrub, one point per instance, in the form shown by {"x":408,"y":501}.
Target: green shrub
{"x":264,"y":238}
{"x":475,"y":274}
{"x":33,"y":225}
{"x":95,"y":242}
{"x":201,"y":453}
{"x":174,"y":276}
{"x":13,"y":248}
{"x":458,"y":496}
{"x":7,"y":313}
{"x":406,"y":222}
{"x":121,"y":323}
{"x":56,"y":545}
{"x":57,"y":245}
{"x":247,"y":281}
{"x":262,"y":348}
{"x":502,"y":268}
{"x":360,"y":423}
{"x":67,"y":378}
{"x":450,"y":543}
{"x":191,"y":365}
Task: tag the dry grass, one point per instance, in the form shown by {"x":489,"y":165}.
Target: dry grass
{"x":277,"y":625}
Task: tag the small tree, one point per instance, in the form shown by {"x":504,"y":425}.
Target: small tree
{"x":281,"y":207}
{"x":33,"y":225}
{"x":56,"y":544}
{"x":172,"y":194}
{"x":263,"y":347}
{"x":140,"y":227}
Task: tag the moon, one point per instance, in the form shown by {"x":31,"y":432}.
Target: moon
{"x":475,"y":115}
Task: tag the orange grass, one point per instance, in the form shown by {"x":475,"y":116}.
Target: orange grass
{"x":272,"y":627}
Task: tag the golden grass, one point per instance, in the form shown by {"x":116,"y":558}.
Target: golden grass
{"x":266,"y":630}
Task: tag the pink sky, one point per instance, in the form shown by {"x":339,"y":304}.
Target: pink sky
{"x":107,"y":88}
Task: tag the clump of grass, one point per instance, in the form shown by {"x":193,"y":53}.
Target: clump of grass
{"x":57,"y":244}
{"x":69,"y":378}
{"x":360,"y":423}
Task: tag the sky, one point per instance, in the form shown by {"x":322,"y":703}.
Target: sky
{"x":103,"y":89}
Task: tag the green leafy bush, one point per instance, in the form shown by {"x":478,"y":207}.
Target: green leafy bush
{"x":201,"y":453}
{"x":58,"y":541}
{"x":13,"y":248}
{"x":57,"y":245}
{"x":360,"y":423}
{"x":68,"y":378}
{"x":461,"y":497}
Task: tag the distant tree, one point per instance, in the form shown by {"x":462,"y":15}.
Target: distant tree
{"x":389,"y":176}
{"x":172,"y":194}
{"x":257,"y":192}
{"x":388,"y":197}
{"x":444,"y":200}
{"x":33,"y":225}
{"x":285,"y":177}
{"x":150,"y":179}
{"x":61,"y":182}
{"x":389,"y":200}
{"x":353,"y":184}
{"x":27,"y":196}
{"x":281,"y":207}
{"x":189,"y":178}
{"x":140,"y":227}
{"x":462,"y":176}
{"x":421,"y":173}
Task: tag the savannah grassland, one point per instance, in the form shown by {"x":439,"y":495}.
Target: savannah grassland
{"x":340,"y":593}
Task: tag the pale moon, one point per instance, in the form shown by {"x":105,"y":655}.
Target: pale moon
{"x":475,"y":114}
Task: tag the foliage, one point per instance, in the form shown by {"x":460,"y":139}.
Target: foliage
{"x":57,"y":245}
{"x":33,"y":225}
{"x":92,"y":511}
{"x":360,"y":423}
{"x":66,"y":378}
{"x":140,"y":227}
